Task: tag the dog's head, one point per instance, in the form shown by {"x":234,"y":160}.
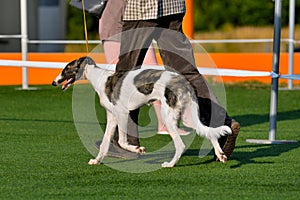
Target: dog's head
{"x":72,"y":72}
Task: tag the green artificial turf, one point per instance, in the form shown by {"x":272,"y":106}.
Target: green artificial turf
{"x":43,"y":157}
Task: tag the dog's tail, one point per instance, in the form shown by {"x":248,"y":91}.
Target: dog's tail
{"x":191,"y":119}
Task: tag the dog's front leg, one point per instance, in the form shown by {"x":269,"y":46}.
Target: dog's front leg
{"x":123,"y":142}
{"x":109,"y":131}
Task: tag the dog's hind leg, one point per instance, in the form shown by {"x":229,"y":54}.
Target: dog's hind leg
{"x":171,"y":118}
{"x":187,"y":118}
{"x":218,"y":151}
{"x":191,"y":119}
{"x":109,"y":131}
{"x":123,"y":130}
{"x":179,"y":148}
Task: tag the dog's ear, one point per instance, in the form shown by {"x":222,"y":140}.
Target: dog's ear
{"x":90,"y":61}
{"x":80,"y":68}
{"x":86,"y":60}
{"x":73,"y":63}
{"x":81,"y":64}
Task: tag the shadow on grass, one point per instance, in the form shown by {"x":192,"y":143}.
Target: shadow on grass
{"x":248,"y":154}
{"x":36,"y":120}
{"x":261,"y":151}
{"x":252,"y":119}
{"x":48,"y":121}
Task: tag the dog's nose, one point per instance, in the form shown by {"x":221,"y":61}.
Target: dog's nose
{"x":54,"y":83}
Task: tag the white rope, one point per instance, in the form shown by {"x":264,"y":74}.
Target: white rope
{"x":263,"y":40}
{"x":291,"y":76}
{"x":10,"y":36}
{"x":33,"y":64}
{"x":202,"y":70}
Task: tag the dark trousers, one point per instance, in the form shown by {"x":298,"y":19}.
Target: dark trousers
{"x":176,"y":53}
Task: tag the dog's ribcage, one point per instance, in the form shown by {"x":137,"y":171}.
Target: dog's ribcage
{"x":142,"y":86}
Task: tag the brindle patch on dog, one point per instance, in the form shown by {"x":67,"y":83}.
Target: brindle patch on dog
{"x":113,"y":86}
{"x":171,"y":98}
{"x":175,"y":88}
{"x":145,"y":80}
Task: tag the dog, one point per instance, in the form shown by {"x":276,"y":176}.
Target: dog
{"x":121,"y":93}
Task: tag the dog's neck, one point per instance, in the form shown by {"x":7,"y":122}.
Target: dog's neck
{"x":85,"y":72}
{"x":96,"y":75}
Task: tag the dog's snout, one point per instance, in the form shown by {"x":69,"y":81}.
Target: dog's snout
{"x":54,"y":83}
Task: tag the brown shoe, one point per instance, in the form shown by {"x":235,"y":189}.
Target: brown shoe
{"x":231,"y":139}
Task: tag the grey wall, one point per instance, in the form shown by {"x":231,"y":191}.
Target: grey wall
{"x":51,"y":23}
{"x":46,"y":20}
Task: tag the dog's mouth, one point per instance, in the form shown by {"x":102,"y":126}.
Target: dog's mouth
{"x":67,"y":84}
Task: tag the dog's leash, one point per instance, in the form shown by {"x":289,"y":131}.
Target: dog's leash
{"x":85,"y":28}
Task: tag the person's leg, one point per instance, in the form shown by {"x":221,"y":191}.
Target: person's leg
{"x":111,"y":51}
{"x":130,"y":57}
{"x":176,"y":52}
{"x":132,"y":53}
{"x":110,"y":27}
{"x":161,"y":127}
{"x":150,"y":57}
{"x":160,"y":124}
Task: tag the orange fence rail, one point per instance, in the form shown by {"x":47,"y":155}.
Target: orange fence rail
{"x":241,"y":61}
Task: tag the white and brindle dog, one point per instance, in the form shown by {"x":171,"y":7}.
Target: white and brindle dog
{"x":121,"y":93}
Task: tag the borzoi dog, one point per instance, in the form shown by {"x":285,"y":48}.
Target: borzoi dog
{"x":121,"y":93}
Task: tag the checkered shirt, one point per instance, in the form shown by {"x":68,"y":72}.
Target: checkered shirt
{"x":152,"y":9}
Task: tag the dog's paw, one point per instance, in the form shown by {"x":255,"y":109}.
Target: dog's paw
{"x":141,"y":150}
{"x":93,"y":162}
{"x":225,"y":130}
{"x":167,"y":164}
{"x":222,"y":158}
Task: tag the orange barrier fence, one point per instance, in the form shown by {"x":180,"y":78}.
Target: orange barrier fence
{"x":256,"y":62}
{"x":241,"y":61}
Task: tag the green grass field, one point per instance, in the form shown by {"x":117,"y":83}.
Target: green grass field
{"x":42,"y":156}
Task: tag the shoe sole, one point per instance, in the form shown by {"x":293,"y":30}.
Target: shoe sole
{"x":231,"y":139}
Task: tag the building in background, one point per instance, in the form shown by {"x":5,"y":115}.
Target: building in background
{"x":46,"y":21}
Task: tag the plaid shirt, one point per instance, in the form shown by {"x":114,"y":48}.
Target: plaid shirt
{"x":152,"y":9}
